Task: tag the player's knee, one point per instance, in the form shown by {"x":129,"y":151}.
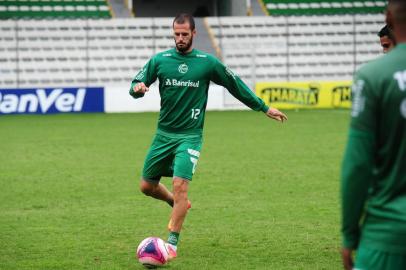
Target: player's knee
{"x":147,"y":188}
{"x":180,"y":188}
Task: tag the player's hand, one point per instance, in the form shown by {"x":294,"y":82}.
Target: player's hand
{"x":140,"y":88}
{"x":276,"y":115}
{"x":346,"y":255}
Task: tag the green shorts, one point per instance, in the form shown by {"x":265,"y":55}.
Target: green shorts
{"x":370,"y":259}
{"x":170,"y":156}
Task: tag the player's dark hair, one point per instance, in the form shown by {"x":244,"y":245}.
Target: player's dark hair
{"x":386,"y":31}
{"x":185,"y":18}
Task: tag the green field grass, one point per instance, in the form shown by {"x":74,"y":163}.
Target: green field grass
{"x":265,"y":194}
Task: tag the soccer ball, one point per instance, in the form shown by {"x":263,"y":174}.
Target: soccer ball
{"x":152,"y":252}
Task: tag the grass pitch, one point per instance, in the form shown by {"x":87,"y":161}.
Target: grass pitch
{"x":265,"y":194}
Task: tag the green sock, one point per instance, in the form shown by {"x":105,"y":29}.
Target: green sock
{"x":173,"y":238}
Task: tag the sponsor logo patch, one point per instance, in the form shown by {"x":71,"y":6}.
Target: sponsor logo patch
{"x":358,"y":103}
{"x":51,"y":100}
{"x":188,"y":83}
{"x":403,"y":108}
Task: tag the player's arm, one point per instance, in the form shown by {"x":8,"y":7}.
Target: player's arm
{"x":357,"y":166}
{"x":145,"y":77}
{"x":225,"y":77}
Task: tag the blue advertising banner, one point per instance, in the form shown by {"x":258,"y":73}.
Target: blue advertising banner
{"x":51,"y":100}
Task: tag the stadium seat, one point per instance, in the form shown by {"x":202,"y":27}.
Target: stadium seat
{"x":322,"y":7}
{"x":258,"y":48}
{"x":61,"y":9}
{"x":297,"y":48}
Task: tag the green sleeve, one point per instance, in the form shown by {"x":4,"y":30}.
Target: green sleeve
{"x":356,"y":176}
{"x":223,"y":76}
{"x":147,"y":75}
{"x":358,"y":162}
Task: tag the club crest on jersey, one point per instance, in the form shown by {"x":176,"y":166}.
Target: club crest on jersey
{"x":183,"y":68}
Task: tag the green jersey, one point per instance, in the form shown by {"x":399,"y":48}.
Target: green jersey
{"x":374,"y":165}
{"x":183,"y":86}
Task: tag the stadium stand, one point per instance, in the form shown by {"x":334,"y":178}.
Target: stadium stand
{"x":322,"y":7}
{"x":294,"y":48}
{"x":54,"y":53}
{"x":47,"y":9}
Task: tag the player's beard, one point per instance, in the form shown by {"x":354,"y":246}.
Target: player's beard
{"x":185,"y":47}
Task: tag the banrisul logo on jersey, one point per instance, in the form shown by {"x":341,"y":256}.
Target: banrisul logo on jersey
{"x":180,"y":83}
{"x":51,"y":100}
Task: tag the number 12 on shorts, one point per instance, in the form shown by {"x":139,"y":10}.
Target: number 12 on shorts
{"x":195,"y":113}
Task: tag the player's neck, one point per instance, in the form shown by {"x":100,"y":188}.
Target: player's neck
{"x":399,"y":33}
{"x":401,"y":39}
{"x":185,"y":52}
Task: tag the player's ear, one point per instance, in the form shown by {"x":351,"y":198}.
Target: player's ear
{"x":194,"y":32}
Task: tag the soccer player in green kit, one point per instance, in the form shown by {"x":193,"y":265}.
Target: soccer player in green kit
{"x":374,"y":167}
{"x":184,"y":75}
